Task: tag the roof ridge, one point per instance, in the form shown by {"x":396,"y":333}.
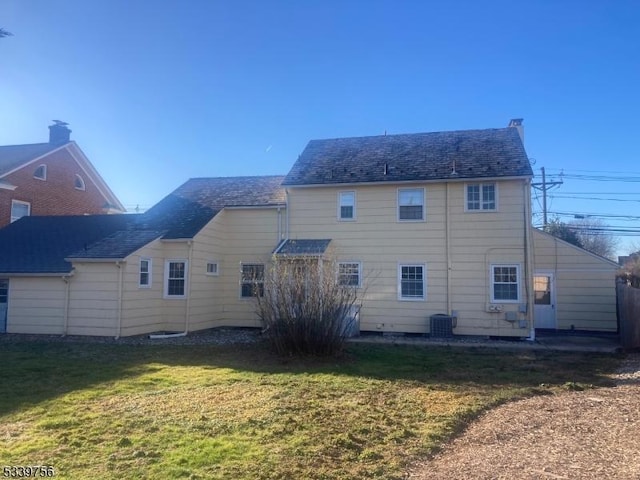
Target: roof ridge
{"x":359,"y":137}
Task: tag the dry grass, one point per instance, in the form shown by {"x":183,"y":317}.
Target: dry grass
{"x":114,"y":411}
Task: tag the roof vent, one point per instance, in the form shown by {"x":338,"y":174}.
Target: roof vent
{"x":59,"y":133}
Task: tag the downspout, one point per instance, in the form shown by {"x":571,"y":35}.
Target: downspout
{"x":188,"y":304}
{"x":120,"y":276}
{"x":286,"y":214}
{"x":67,"y":295}
{"x":528,"y":250}
{"x":279,"y":225}
{"x":187,"y":309}
{"x":448,"y":247}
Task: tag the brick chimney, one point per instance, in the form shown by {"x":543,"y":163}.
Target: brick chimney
{"x":517,"y":123}
{"x":59,"y":133}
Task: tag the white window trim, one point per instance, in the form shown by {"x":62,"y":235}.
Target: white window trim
{"x":242,"y":264}
{"x":355,"y":201}
{"x":424,"y":205}
{"x":150,"y":264}
{"x":480,"y":184}
{"x":212,"y":274}
{"x":356,"y":262}
{"x":20,"y":202}
{"x":44,"y":177}
{"x":166,"y":278}
{"x":491,"y":282}
{"x":424,"y":282}
{"x":83,"y":187}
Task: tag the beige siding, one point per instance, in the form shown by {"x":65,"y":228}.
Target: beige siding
{"x":585,"y":284}
{"x":93,"y":299}
{"x":36,"y":305}
{"x":381,"y":242}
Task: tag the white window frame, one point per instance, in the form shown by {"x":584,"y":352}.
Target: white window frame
{"x":340,"y":217}
{"x":424,"y":282}
{"x":148,"y":272}
{"x":19,"y":202}
{"x":83,"y":186}
{"x":480,"y":185}
{"x":215,"y":273}
{"x":351,"y":262}
{"x":167,"y":264}
{"x":44,"y":170}
{"x":242,"y":282}
{"x":424,"y":208}
{"x":492,"y":282}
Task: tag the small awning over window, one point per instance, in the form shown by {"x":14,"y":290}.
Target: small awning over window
{"x":302,"y":247}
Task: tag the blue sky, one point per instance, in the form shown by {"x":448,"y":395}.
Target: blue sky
{"x":157,"y":92}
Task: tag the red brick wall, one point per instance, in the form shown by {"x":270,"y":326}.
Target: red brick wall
{"x":56,"y":195}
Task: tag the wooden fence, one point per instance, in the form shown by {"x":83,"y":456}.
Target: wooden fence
{"x":629,"y":314}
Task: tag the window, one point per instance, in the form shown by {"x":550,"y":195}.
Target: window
{"x":481,"y":197}
{"x":252,"y":280}
{"x":411,"y":282}
{"x":79,"y":183}
{"x":40,"y":172}
{"x":19,"y":209}
{"x":411,"y":204}
{"x":175,"y":274}
{"x":347,"y":206}
{"x":145,"y":273}
{"x":505,"y":283}
{"x":349,"y":274}
{"x":212,"y":268}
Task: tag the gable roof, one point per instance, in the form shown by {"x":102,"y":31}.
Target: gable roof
{"x":485,"y":153}
{"x":186,"y":210}
{"x":46,"y":245}
{"x":14,"y":157}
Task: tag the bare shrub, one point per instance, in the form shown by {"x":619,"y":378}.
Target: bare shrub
{"x":307,"y":306}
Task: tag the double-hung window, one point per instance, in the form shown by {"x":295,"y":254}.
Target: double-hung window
{"x":144,"y":280}
{"x":19,"y":209}
{"x":349,"y":274}
{"x":505,"y":283}
{"x":347,"y":206}
{"x":412,"y":282}
{"x":252,"y":280}
{"x":175,"y":274}
{"x":411,"y":204}
{"x":481,"y":197}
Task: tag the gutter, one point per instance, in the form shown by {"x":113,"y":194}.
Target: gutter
{"x":413,"y":181}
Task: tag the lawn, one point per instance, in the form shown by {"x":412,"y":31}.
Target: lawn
{"x":199,"y":412}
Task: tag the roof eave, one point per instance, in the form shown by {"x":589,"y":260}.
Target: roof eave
{"x":393,"y":182}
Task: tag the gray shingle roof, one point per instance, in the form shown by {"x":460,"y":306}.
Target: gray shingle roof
{"x":41,"y":244}
{"x":302,"y":247}
{"x":191,"y":206}
{"x":419,"y":156}
{"x":13,"y":156}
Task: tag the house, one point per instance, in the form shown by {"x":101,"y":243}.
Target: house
{"x":54,"y":178}
{"x":173,"y":268}
{"x":430,"y":223}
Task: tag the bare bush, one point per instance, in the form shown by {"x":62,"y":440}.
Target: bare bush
{"x":308,"y":305}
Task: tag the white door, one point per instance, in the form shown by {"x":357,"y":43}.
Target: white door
{"x":4,"y":297}
{"x":544,"y":300}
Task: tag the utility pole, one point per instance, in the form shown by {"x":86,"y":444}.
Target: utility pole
{"x":544,"y":186}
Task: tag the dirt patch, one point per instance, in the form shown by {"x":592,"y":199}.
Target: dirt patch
{"x":591,"y":434}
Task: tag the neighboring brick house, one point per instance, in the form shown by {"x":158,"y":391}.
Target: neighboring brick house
{"x":54,"y":178}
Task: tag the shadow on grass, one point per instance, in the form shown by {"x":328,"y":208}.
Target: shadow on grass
{"x":34,"y":372}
